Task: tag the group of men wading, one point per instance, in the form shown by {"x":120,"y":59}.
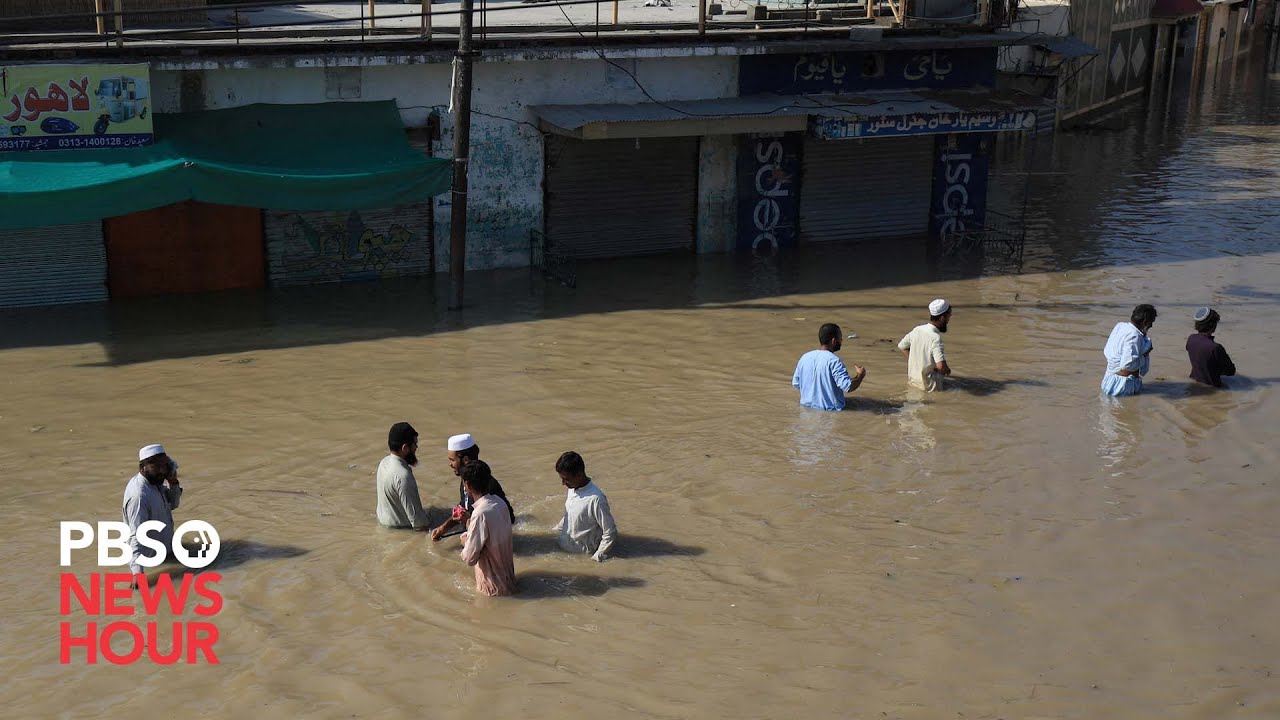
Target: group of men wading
{"x":586,"y":527}
{"x":823,"y":380}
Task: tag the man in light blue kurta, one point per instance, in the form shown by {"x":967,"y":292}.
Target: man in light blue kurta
{"x":147,"y":498}
{"x":822,"y":377}
{"x":1128,"y":353}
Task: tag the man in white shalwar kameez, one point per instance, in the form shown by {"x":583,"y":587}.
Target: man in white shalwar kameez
{"x":587,"y":526}
{"x":146,"y":497}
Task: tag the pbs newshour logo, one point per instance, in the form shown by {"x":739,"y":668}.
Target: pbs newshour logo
{"x":113,"y":630}
{"x":112,"y":538}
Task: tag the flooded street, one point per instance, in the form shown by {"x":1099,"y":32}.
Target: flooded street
{"x":1014,"y":547}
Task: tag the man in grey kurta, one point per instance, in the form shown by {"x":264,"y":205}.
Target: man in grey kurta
{"x":399,"y":505}
{"x":146,"y":497}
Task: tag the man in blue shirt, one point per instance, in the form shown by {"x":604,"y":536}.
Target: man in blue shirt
{"x":821,"y":377}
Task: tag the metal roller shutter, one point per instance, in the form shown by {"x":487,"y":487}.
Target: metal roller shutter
{"x":318,"y":247}
{"x":53,"y":265}
{"x":865,"y":189}
{"x":608,"y":198}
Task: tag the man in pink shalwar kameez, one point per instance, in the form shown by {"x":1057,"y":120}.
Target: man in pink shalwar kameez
{"x":487,"y":544}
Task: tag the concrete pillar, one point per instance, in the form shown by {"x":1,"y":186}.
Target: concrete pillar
{"x":717,"y":194}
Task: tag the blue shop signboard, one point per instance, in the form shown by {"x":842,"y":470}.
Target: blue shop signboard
{"x":960,"y":182}
{"x":934,"y":123}
{"x":839,"y":72}
{"x":768,"y":191}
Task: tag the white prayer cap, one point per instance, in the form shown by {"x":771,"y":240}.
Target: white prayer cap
{"x":461,"y":442}
{"x":938,"y":307}
{"x":150,"y":451}
{"x":1202,"y":313}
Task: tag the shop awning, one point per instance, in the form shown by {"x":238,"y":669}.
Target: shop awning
{"x":330,"y":156}
{"x":829,"y":116}
{"x":681,"y":118}
{"x":1176,"y":9}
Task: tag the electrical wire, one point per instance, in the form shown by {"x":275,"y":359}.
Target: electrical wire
{"x":512,"y":120}
{"x":474,"y":112}
{"x":599,"y":51}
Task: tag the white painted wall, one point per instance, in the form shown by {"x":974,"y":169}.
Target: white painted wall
{"x":506,"y":180}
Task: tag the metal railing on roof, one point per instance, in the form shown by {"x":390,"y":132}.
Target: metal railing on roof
{"x":114,"y":24}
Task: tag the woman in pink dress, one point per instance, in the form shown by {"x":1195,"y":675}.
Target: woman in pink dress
{"x":487,"y":545}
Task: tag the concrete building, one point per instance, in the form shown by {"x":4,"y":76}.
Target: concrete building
{"x":736,"y":143}
{"x":1102,"y":54}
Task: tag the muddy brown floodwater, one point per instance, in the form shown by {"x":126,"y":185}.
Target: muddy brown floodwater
{"x":1012,"y":548}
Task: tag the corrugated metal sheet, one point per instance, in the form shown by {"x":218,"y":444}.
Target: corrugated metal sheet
{"x":865,"y":189}
{"x":53,"y":265}
{"x":608,"y":198}
{"x":319,"y":247}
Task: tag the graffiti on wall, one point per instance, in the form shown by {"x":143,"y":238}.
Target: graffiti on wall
{"x":345,"y":247}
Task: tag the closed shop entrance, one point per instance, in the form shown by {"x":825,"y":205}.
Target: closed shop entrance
{"x":189,"y":247}
{"x":865,"y":189}
{"x":305,"y":248}
{"x":608,"y":198}
{"x":51,"y":265}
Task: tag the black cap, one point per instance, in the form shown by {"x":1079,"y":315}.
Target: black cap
{"x":402,"y":433}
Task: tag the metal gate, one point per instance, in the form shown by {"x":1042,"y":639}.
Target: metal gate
{"x":53,"y":265}
{"x":608,"y":198}
{"x":865,"y":189}
{"x":304,"y":248}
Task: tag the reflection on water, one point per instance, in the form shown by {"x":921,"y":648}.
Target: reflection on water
{"x":1118,"y":437}
{"x":1015,"y":546}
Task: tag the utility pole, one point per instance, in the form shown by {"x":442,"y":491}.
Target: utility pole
{"x":460,"y":99}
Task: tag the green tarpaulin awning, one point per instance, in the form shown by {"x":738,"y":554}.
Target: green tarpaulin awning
{"x":330,"y":156}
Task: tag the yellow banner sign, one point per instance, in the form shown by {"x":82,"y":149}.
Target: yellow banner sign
{"x":65,"y":107}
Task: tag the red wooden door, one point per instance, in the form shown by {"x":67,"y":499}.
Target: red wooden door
{"x":190,"y":247}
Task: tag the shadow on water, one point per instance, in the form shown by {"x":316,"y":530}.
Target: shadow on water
{"x":628,"y":546}
{"x":875,"y":406}
{"x":1251,"y":292}
{"x":1245,"y":382}
{"x":982,"y":387}
{"x":233,"y":554}
{"x":1142,"y":195}
{"x":534,"y":585}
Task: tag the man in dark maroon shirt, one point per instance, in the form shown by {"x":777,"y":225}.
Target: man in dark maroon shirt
{"x":1209,"y":360}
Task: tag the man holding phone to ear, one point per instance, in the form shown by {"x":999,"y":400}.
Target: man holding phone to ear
{"x":152,"y":494}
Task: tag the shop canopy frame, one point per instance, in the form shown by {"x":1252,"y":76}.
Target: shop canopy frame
{"x":326,"y":156}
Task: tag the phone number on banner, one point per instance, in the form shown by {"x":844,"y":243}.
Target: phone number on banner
{"x":74,"y":142}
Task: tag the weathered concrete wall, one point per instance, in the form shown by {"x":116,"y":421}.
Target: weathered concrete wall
{"x":717,"y":194}
{"x":506,"y":181}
